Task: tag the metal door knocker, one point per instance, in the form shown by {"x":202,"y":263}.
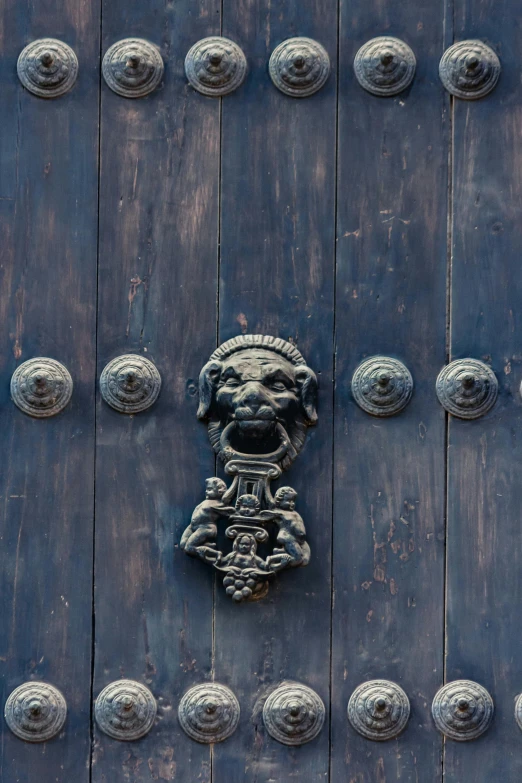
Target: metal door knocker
{"x":259,"y":397}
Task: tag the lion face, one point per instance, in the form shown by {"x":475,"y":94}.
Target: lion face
{"x":257,"y":389}
{"x":260,"y":392}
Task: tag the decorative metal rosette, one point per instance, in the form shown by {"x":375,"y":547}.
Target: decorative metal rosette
{"x":299,"y":67}
{"x":293,"y":714}
{"x":382,"y":386}
{"x":215,"y":66}
{"x":462,"y":710}
{"x":133,"y":67}
{"x":469,"y":69}
{"x":467,"y":388}
{"x":36,"y":712}
{"x":209,"y":712}
{"x":385,"y":66}
{"x":130,"y":383}
{"x":379,"y":710}
{"x":125,"y":710}
{"x":47,"y":67}
{"x":41,"y":387}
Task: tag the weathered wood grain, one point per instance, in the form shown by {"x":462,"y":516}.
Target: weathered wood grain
{"x":157,"y":283}
{"x":277,"y":248}
{"x":389,"y":473}
{"x":484,"y":636}
{"x":48,"y":222}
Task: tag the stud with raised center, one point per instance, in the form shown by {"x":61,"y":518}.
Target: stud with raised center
{"x":299,"y":67}
{"x":379,"y":710}
{"x":215,"y":66}
{"x":133,"y":67}
{"x":469,"y":69}
{"x":209,"y":713}
{"x":382,"y":386}
{"x":467,"y":388}
{"x":384,"y":66}
{"x":130,"y":383}
{"x":36,"y":712}
{"x":125,"y":710}
{"x":47,"y":67}
{"x":293,"y":714}
{"x":462,"y":710}
{"x":41,"y":387}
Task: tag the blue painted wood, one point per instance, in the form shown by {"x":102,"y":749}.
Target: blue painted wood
{"x":389,"y":473}
{"x":157,"y":285}
{"x":48,"y":222}
{"x":277,"y":262}
{"x":484,"y":470}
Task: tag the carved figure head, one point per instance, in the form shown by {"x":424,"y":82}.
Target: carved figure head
{"x":215,"y":488}
{"x":248,"y":505}
{"x":285,"y":498}
{"x":245,"y":544}
{"x":262,"y":387}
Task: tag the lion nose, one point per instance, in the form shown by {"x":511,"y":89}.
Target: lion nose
{"x":253,"y":396}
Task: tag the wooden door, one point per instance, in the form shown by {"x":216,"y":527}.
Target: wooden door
{"x":149,"y":217}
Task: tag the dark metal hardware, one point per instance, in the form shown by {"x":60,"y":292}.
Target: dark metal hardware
{"x":209,"y":713}
{"x":382,"y":386}
{"x":47,"y":67}
{"x":299,"y":67}
{"x":293,"y":714}
{"x":133,"y":67}
{"x":36,"y":712}
{"x":215,"y":66}
{"x":41,"y":387}
{"x":462,"y":710}
{"x":379,"y":710}
{"x":469,"y":69}
{"x":385,"y":66}
{"x":130,"y":383}
{"x":125,"y":710}
{"x":467,"y":388}
{"x":259,"y":398}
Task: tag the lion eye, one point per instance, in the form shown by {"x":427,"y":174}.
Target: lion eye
{"x":231,"y":382}
{"x":277,"y":386}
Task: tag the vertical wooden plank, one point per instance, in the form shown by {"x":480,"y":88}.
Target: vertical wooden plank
{"x":277,"y":247}
{"x":485,"y":456}
{"x":389,"y":472}
{"x":48,"y":220}
{"x":157,"y":284}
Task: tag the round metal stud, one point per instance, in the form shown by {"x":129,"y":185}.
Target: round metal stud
{"x":133,"y":67}
{"x":382,"y":386}
{"x":47,"y":67}
{"x":385,"y":66}
{"x":41,"y":387}
{"x":215,"y":66}
{"x":36,"y":711}
{"x":469,"y":69}
{"x":379,"y":710}
{"x":299,"y":67}
{"x":125,"y":710}
{"x":462,"y":710}
{"x":293,"y":714}
{"x":518,"y":711}
{"x":130,"y":383}
{"x":209,"y":712}
{"x":467,"y":388}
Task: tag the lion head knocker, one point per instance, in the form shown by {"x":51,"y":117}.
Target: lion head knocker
{"x":259,"y":397}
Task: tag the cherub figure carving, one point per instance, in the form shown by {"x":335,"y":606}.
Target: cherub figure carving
{"x":246,"y":570}
{"x":293,"y":549}
{"x":199,"y":537}
{"x":248,"y":506}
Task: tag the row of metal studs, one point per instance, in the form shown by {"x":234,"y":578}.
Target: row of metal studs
{"x":299,"y":67}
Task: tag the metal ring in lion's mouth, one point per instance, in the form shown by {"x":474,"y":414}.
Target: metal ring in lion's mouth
{"x":274,"y":456}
